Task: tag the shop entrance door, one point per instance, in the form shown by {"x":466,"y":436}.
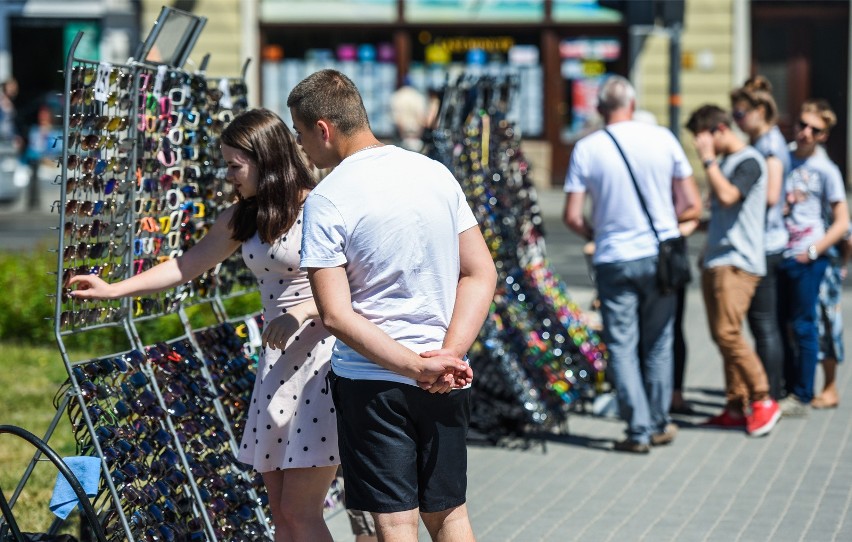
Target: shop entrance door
{"x":37,"y":62}
{"x":803,"y":48}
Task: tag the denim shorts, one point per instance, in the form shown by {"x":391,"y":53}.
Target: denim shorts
{"x":401,"y":447}
{"x":829,"y":315}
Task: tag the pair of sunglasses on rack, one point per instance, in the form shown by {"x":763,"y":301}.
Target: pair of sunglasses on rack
{"x":85,"y":75}
{"x":94,"y":251}
{"x":95,"y":142}
{"x":90,"y":317}
{"x":93,"y":121}
{"x":95,"y":228}
{"x":92,"y":208}
{"x":96,"y":183}
{"x":106,"y":271}
{"x":91,"y":164}
{"x":85,"y":96}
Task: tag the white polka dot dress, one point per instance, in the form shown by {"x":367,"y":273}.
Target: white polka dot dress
{"x":291,"y":421}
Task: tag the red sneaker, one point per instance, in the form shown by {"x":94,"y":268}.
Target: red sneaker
{"x":726,"y":420}
{"x":764,"y":415}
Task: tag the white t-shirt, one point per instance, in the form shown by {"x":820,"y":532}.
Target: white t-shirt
{"x":621,"y":228}
{"x":393,"y":218}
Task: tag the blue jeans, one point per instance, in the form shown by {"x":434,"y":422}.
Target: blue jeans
{"x":798,"y":284}
{"x":638,"y":330}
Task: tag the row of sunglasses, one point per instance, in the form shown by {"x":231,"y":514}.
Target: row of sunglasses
{"x":165,"y":422}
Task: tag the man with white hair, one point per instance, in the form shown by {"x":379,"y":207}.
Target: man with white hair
{"x":637,"y":317}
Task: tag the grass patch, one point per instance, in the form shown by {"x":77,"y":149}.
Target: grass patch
{"x":29,"y":378}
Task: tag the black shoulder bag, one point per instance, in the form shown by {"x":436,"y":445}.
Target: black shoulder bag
{"x":673,"y":271}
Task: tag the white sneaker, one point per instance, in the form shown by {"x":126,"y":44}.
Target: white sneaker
{"x":791,"y":407}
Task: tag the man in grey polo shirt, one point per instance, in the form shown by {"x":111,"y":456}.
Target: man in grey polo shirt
{"x":733,"y":264}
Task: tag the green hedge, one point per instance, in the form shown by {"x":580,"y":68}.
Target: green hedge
{"x":26,"y":314}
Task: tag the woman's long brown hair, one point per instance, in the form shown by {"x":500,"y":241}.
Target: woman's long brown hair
{"x":282,"y":175}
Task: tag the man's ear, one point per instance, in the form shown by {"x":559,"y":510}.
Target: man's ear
{"x":325,"y":128}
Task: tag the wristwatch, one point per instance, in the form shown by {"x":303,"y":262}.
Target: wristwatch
{"x":709,"y":162}
{"x":812,"y":253}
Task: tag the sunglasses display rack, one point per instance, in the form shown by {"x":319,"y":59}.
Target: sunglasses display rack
{"x":142,"y":180}
{"x":163,"y":418}
{"x":535,"y":358}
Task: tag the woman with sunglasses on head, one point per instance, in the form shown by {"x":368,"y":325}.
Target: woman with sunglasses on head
{"x":291,"y":432}
{"x":755,"y":112}
{"x":815,"y":196}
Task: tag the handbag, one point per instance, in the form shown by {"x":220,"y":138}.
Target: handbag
{"x":673,"y":270}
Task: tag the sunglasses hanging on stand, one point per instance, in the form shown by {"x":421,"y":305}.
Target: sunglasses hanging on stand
{"x":536,"y":358}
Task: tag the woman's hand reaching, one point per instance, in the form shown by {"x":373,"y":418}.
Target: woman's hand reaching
{"x":91,"y":287}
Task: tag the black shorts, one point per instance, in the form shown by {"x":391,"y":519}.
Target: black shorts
{"x":401,"y":447}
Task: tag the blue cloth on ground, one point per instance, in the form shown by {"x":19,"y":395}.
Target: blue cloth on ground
{"x":87,"y":469}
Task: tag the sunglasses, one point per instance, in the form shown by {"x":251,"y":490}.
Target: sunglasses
{"x":739,"y":114}
{"x":81,"y":75}
{"x":92,"y":250}
{"x":95,"y":228}
{"x":93,"y":142}
{"x":82,"y":207}
{"x":106,"y":272}
{"x":93,"y":316}
{"x":814,"y":130}
{"x":97,"y":183}
{"x":140,"y":452}
{"x":82,"y":96}
{"x":146,"y":306}
{"x":98,"y":122}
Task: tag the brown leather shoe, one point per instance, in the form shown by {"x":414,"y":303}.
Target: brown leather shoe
{"x":631,"y":446}
{"x":666,"y":437}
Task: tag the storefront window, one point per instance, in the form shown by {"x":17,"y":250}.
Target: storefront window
{"x":370,"y":65}
{"x":444,"y":57}
{"x":585,"y":62}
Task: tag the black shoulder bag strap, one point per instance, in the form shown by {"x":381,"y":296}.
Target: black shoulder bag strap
{"x":635,"y":184}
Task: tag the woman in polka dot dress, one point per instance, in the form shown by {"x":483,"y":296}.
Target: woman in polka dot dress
{"x":291,"y":433}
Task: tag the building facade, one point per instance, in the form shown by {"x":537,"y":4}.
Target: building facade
{"x":560,"y":49}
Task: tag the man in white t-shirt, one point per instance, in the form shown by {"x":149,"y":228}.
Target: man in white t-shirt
{"x":637,"y":318}
{"x":403,"y":278}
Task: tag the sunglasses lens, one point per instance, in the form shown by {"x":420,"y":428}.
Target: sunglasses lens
{"x":814,"y":130}
{"x":110,"y":186}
